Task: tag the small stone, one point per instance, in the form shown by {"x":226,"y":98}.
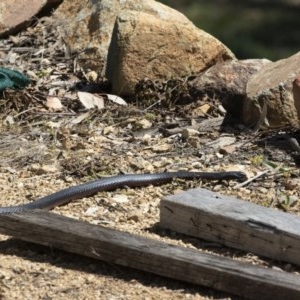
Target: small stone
{"x":134,"y":218}
{"x":228,"y":149}
{"x":205,"y":108}
{"x":140,"y":163}
{"x":120,"y":198}
{"x":222,"y":142}
{"x":91,"y":210}
{"x":92,"y":76}
{"x":219,"y":155}
{"x":162,"y":148}
{"x":43,"y":169}
{"x":143,"y":123}
{"x":194,"y":141}
{"x":108,"y":129}
{"x":164,"y":162}
{"x":20,"y":185}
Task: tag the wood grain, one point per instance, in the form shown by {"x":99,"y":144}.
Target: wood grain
{"x":233,"y":223}
{"x":152,"y":256}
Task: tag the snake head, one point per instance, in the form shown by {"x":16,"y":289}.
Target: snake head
{"x":241,"y":176}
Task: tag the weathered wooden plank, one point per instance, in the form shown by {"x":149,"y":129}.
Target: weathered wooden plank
{"x":233,"y":223}
{"x":151,"y":256}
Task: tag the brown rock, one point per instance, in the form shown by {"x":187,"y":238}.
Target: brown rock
{"x":16,"y":14}
{"x":227,"y":82}
{"x":145,"y":46}
{"x":88,"y":28}
{"x":164,"y":41}
{"x":273,"y":95}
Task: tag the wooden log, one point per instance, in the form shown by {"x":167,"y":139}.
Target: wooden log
{"x":152,"y":256}
{"x":233,"y":223}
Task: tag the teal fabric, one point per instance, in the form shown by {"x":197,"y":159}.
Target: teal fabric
{"x":12,"y":79}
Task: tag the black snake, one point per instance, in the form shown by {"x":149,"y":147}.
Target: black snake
{"x":129,"y":180}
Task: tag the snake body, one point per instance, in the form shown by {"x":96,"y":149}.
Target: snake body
{"x":129,"y":180}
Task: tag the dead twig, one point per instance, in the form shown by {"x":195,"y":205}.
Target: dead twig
{"x":251,"y":179}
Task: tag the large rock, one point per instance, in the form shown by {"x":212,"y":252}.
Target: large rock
{"x":227,"y":83}
{"x":146,"y":46}
{"x":88,"y":28}
{"x":157,"y":35}
{"x":16,"y":14}
{"x":273,"y":95}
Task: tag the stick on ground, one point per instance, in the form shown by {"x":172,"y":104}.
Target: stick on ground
{"x":152,"y":256}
